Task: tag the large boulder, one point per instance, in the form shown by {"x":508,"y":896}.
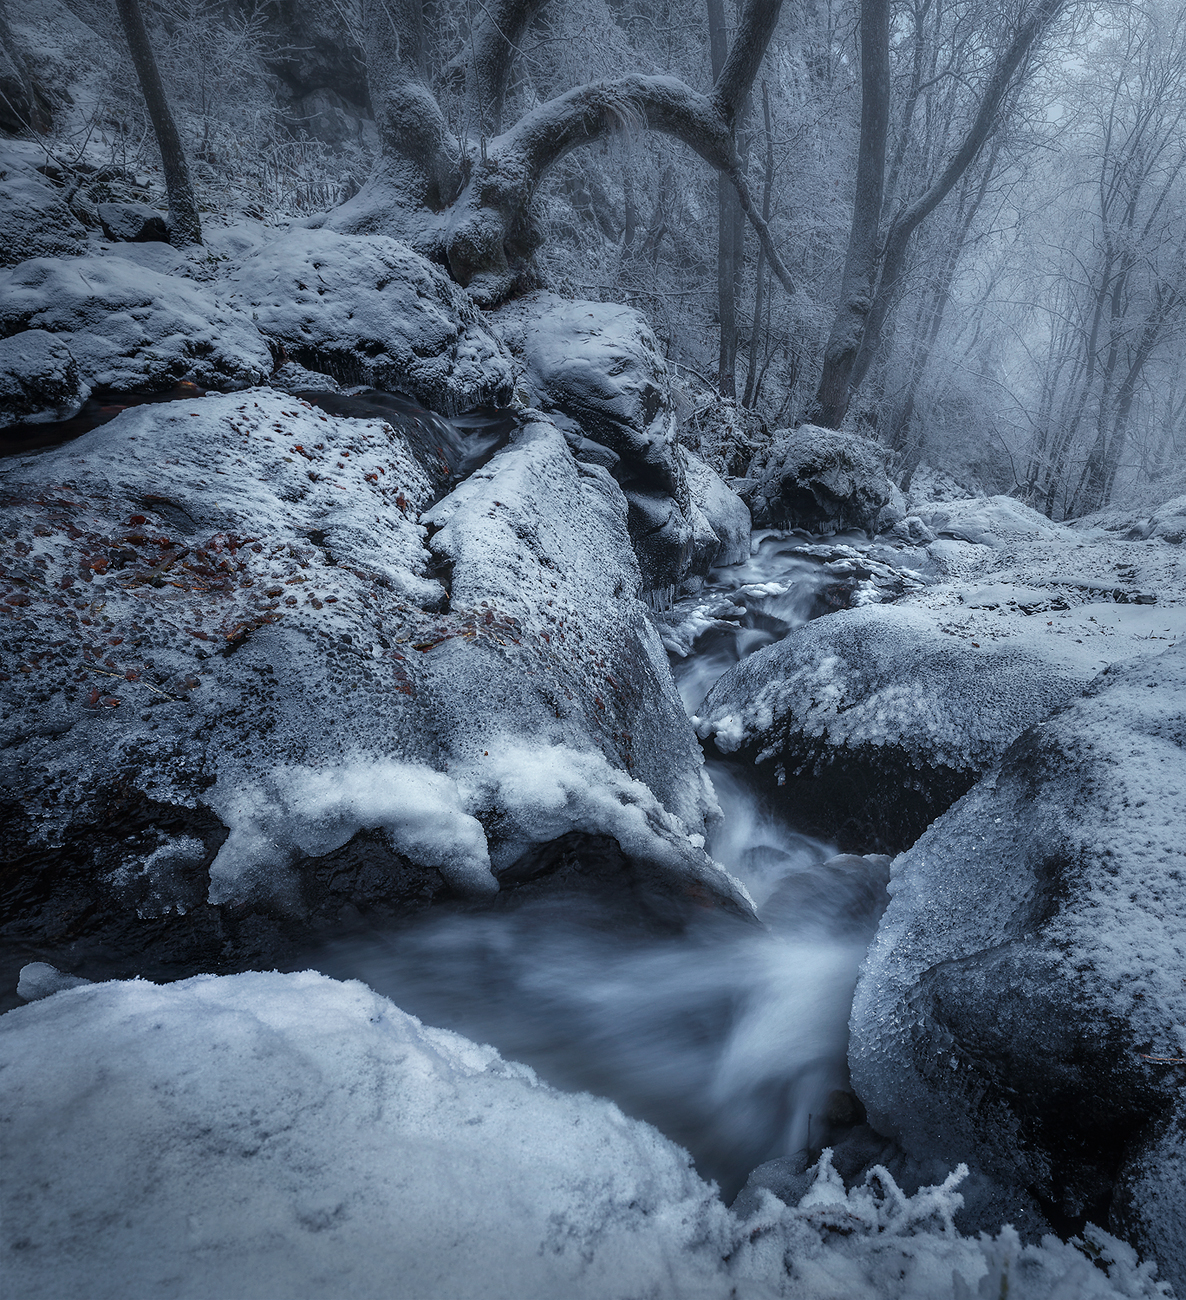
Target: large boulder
{"x":274,"y":1135}
{"x":598,"y":369}
{"x":368,"y":310}
{"x":133,"y":223}
{"x":1024,"y":1000}
{"x":129,"y":327}
{"x":867,"y":724}
{"x":822,"y":481}
{"x":35,"y":219}
{"x":718,"y":512}
{"x":246,"y":686}
{"x":39,"y":378}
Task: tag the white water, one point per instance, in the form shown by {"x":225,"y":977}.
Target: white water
{"x":730,"y":1037}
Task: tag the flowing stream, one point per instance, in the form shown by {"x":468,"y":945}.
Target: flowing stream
{"x":729,"y":1038}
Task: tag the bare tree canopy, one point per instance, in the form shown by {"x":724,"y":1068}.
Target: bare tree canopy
{"x":465,"y":197}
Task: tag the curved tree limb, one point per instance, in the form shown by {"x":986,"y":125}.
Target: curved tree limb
{"x":496,"y":41}
{"x":520,"y":157}
{"x":754,"y":30}
{"x":409,"y":120}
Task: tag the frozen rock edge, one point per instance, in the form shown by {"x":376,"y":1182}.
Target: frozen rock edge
{"x":1021,"y":1004}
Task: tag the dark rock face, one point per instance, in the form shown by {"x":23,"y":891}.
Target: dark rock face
{"x":868,"y":724}
{"x":247,"y":694}
{"x":316,"y":52}
{"x":1030,"y":967}
{"x":822,"y":481}
{"x":326,"y":116}
{"x":132,"y":223}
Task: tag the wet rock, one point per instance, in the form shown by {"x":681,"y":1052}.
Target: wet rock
{"x":132,"y":223}
{"x":867,"y":724}
{"x":1028,"y":981}
{"x":822,"y":481}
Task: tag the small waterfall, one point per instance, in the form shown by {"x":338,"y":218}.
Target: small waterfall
{"x":728,"y":1038}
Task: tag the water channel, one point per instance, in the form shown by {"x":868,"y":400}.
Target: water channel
{"x":730,"y":1038}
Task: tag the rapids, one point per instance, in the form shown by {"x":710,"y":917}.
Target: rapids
{"x":730,"y":1038}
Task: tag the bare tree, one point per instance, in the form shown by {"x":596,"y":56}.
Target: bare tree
{"x":465,"y":198}
{"x":860,"y":263}
{"x":185,"y":226}
{"x":1115,"y":296}
{"x":864,"y":310}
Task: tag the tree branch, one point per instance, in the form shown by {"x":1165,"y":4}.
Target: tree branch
{"x":496,"y":41}
{"x":665,"y":104}
{"x":756,"y":27}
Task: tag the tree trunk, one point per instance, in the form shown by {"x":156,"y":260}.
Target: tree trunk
{"x":868,"y":329}
{"x":185,"y":226}
{"x":750,"y":396}
{"x":728,"y":220}
{"x":482,"y":196}
{"x":860,"y":263}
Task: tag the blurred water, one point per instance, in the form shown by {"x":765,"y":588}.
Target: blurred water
{"x":728,"y":1038}
{"x":741,"y":609}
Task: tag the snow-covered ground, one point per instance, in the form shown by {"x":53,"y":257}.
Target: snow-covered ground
{"x":263,"y":1136}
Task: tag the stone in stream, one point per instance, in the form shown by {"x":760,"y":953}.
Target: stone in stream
{"x":865,"y":725}
{"x":249,"y":688}
{"x":822,"y":481}
{"x":1023,"y":1005}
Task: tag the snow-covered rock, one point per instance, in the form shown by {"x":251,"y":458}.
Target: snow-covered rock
{"x":35,"y":220}
{"x":823,"y":481}
{"x":129,"y":327}
{"x":1168,"y":522}
{"x":1025,"y":997}
{"x":132,"y":223}
{"x":39,"y":378}
{"x":872,"y":721}
{"x":286,"y":1135}
{"x":245,"y":685}
{"x":599,"y":369}
{"x":265,"y":1135}
{"x":722,"y":510}
{"x":991,"y":521}
{"x":368,"y":310}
